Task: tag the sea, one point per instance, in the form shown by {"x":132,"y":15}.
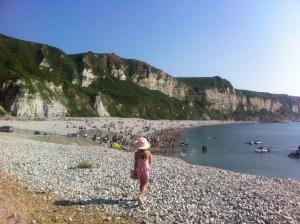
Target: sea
{"x":227,"y":148}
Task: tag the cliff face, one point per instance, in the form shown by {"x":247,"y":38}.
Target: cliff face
{"x":100,"y":108}
{"x":22,"y":101}
{"x":161,"y":81}
{"x":101,"y":65}
{"x":37,"y":80}
{"x":230,"y":101}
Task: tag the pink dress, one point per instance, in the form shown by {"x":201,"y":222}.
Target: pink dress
{"x":143,"y":169}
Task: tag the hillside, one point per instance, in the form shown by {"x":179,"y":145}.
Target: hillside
{"x":40,"y":76}
{"x":38,"y":80}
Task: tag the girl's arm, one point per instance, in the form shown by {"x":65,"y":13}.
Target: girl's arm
{"x":135,"y":160}
{"x":150,"y":158}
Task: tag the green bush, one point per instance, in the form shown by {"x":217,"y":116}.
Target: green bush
{"x":84,"y":165}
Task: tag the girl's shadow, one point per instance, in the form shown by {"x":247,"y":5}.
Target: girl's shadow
{"x":124,"y":203}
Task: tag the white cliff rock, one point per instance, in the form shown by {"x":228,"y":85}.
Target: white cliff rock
{"x":118,"y":73}
{"x":31,"y":104}
{"x":295,"y":108}
{"x":44,"y":64}
{"x":256,"y":104}
{"x":28,"y":105}
{"x":56,"y":89}
{"x":87,"y":77}
{"x":75,"y":81}
{"x":228,"y":101}
{"x":223,"y":101}
{"x":55,"y":109}
{"x":99,"y":107}
{"x":162,"y":82}
{"x":276,"y":106}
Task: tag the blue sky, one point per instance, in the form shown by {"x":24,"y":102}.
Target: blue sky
{"x":255,"y":44}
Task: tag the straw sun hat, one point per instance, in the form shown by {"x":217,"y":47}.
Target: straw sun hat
{"x":142,"y":143}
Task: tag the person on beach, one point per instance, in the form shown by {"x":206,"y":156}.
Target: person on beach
{"x":204,"y":148}
{"x":142,"y":165}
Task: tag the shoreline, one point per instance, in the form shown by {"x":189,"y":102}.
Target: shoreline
{"x":94,"y":126}
{"x":179,"y":191}
{"x":165,"y":148}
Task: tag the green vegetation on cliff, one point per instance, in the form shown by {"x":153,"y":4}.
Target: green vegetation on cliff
{"x":83,"y":78}
{"x":39,"y":64}
{"x":203,"y":83}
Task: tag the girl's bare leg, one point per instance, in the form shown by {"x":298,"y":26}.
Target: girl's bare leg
{"x":143,"y":187}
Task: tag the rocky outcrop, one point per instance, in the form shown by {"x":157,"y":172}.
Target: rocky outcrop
{"x":118,"y":73}
{"x":27,"y":105}
{"x":44,"y":64}
{"x":87,"y":77}
{"x":295,"y":108}
{"x":223,"y":101}
{"x":99,"y":107}
{"x":161,"y":81}
{"x":30,"y":103}
{"x":55,"y":109}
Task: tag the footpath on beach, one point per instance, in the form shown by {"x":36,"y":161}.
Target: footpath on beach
{"x":178,"y":193}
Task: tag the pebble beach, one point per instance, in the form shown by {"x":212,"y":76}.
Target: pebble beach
{"x":178,"y":192}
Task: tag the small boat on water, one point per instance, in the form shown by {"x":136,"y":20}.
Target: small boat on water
{"x":262,"y":149}
{"x":295,"y":154}
{"x":251,"y":142}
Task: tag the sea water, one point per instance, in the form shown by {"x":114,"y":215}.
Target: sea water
{"x":227,"y":148}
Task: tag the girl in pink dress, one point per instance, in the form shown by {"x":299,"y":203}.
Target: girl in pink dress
{"x":142,"y":165}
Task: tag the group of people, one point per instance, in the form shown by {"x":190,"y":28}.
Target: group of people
{"x":163,"y":141}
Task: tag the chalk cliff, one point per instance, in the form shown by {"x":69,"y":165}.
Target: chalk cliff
{"x":37,"y":80}
{"x":230,"y":101}
{"x":22,"y":101}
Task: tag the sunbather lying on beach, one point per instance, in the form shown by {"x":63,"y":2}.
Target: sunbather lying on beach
{"x":142,"y":165}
